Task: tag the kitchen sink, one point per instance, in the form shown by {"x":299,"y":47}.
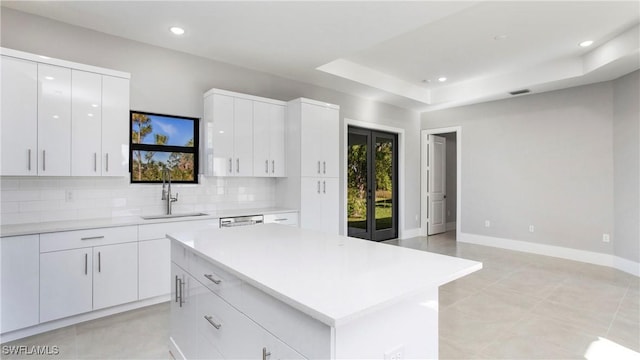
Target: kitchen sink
{"x":171,"y":216}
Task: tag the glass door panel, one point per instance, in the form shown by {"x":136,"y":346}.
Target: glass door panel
{"x":358,"y":184}
{"x":384,"y":183}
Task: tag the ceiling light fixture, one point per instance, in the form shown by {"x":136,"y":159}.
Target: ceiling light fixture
{"x":500,"y":37}
{"x":586,"y":43}
{"x":442,"y":79}
{"x":49,"y":77}
{"x":177,"y":30}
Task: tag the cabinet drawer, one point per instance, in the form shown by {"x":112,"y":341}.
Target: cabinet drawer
{"x":290,"y":218}
{"x":87,"y":238}
{"x":227,"y":331}
{"x":217,"y":280}
{"x":307,"y":336}
{"x":159,"y":231}
{"x":225,"y":328}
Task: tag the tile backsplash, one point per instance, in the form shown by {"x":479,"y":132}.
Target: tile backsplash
{"x":41,"y":199}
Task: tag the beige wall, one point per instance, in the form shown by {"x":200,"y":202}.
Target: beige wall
{"x":165,"y":81}
{"x":544,"y":160}
{"x":626,"y":166}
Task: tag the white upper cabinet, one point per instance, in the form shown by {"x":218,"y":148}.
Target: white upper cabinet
{"x":244,"y":135}
{"x":86,"y":115}
{"x":320,"y":140}
{"x":63,"y":119}
{"x":19,"y":121}
{"x":115,"y":126}
{"x":268,"y":139}
{"x":54,"y":120}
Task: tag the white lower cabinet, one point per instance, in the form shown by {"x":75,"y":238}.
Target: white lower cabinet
{"x":183,"y":312}
{"x":65,"y":283}
{"x":155,"y":268}
{"x":114,"y":274}
{"x":19,"y":274}
{"x":319,"y":207}
{"x":86,"y":270}
{"x":214,"y":328}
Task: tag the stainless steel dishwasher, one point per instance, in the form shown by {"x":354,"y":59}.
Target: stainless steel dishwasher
{"x":241,"y":221}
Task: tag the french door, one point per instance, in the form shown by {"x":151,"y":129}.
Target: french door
{"x":372,"y":184}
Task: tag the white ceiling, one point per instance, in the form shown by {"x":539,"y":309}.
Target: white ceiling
{"x":385,"y":49}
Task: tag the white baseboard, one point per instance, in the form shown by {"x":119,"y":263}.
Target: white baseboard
{"x":591,"y":257}
{"x":450,"y":226}
{"x":409,"y":233}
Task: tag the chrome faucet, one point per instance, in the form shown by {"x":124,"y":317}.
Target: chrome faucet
{"x":166,"y":190}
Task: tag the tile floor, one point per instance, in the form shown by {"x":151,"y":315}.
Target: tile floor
{"x":519,"y":306}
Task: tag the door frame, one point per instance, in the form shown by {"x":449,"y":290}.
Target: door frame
{"x":423,"y":178}
{"x":345,"y":145}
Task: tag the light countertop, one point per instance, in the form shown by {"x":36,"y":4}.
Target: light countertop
{"x":331,"y":278}
{"x":70,"y":225}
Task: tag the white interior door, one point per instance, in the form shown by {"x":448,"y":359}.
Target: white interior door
{"x":436,"y":172}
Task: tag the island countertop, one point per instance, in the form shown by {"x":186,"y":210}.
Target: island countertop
{"x":331,"y":278}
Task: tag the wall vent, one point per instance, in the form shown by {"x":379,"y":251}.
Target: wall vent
{"x":520,"y":92}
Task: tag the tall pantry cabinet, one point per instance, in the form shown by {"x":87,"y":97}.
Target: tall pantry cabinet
{"x":312,"y":185}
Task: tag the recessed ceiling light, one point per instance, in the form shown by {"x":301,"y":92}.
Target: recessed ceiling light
{"x":177,"y":30}
{"x":49,"y":77}
{"x":90,"y":115}
{"x":426,"y":81}
{"x":56,"y":117}
{"x":94,"y":105}
{"x":586,"y":43}
{"x":500,"y":37}
{"x":442,"y":79}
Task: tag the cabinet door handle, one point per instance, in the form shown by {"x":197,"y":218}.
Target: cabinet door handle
{"x":318,"y":187}
{"x":177,"y":287}
{"x":318,"y":166}
{"x":230,"y":164}
{"x":181,"y":292}
{"x":107,"y":165}
{"x":210,"y":277}
{"x":99,"y":262}
{"x":86,"y":263}
{"x":265,"y":353}
{"x":92,"y":237}
{"x":324,"y":167}
{"x":210,"y":320}
{"x":238,"y":165}
{"x":95,"y":162}
{"x":29,"y":160}
{"x":44,"y":160}
{"x":266,"y":166}
{"x":273,"y":166}
{"x":324,"y":187}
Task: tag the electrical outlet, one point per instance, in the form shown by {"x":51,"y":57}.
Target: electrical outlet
{"x":396,"y":353}
{"x":532,"y":228}
{"x":487,"y":223}
{"x":606,"y":238}
{"x":68,"y":196}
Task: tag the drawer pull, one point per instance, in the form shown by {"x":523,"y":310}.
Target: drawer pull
{"x":280,"y":219}
{"x":92,"y":238}
{"x":210,"y":277}
{"x":210,"y":320}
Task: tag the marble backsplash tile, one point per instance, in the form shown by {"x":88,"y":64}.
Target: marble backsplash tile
{"x":41,"y":199}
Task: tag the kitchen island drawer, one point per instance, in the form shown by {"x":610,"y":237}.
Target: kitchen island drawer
{"x":289,"y":218}
{"x":306,"y":335}
{"x":221,"y":282}
{"x":66,"y":240}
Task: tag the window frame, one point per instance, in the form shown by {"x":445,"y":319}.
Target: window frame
{"x":195,"y":150}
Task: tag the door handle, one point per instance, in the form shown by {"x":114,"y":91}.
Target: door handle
{"x":324,"y":167}
{"x":265,"y":353}
{"x":210,"y":277}
{"x":238,"y":165}
{"x":324,"y":187}
{"x":273,"y":166}
{"x":29,"y":160}
{"x":107,"y":165}
{"x":318,"y":186}
{"x":318,"y":166}
{"x":210,"y":320}
{"x":44,"y":160}
{"x":266,"y":166}
{"x":230,"y":166}
{"x":86,"y":263}
{"x":95,"y":162}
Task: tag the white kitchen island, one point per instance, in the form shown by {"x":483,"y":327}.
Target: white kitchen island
{"x":275,"y":292}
